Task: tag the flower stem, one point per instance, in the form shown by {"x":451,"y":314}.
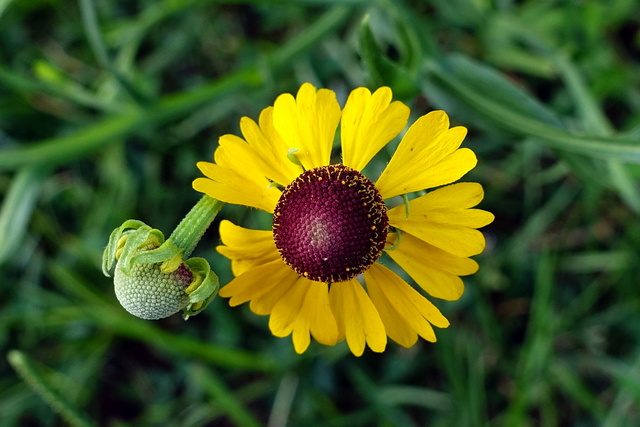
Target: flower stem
{"x":190,"y":230}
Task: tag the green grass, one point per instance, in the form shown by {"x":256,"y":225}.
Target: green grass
{"x":106,"y":106}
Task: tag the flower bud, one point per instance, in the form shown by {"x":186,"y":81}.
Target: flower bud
{"x":151,"y":279}
{"x":148,"y":293}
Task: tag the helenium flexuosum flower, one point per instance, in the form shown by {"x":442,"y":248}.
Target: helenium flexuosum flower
{"x":317,"y":271}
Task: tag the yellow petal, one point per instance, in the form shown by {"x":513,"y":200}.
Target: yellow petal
{"x":233,"y":235}
{"x":254,"y":283}
{"x":442,"y":218}
{"x":241,"y":157}
{"x":448,"y":170}
{"x":242,"y":260}
{"x":338,"y":297}
{"x":368,"y":123}
{"x":270,"y":147}
{"x":308,"y":123}
{"x":357,"y":317}
{"x":435,"y":270}
{"x":415,"y":309}
{"x":246,"y":248}
{"x":263,"y":304}
{"x":317,"y":314}
{"x":287,"y":309}
{"x":462,"y":195}
{"x":300,"y":336}
{"x":450,"y":204}
{"x":428,"y":156}
{"x":459,"y":241}
{"x":229,"y":186}
{"x":396,"y":327}
{"x":302,"y":311}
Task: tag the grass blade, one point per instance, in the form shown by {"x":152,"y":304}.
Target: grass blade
{"x":54,"y":398}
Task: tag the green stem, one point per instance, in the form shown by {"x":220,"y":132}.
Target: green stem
{"x":192,"y":227}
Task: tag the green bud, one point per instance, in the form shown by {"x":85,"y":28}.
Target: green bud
{"x":148,"y":293}
{"x":152,"y":280}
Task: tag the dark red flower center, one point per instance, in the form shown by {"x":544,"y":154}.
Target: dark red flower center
{"x":330,"y":224}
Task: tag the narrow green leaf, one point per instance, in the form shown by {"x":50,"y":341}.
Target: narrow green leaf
{"x":478,"y":87}
{"x":533,"y":372}
{"x":382,"y":71}
{"x":571,"y":383}
{"x":46,"y":390}
{"x":94,"y":37}
{"x":3,"y":6}
{"x":223,"y":397}
{"x":16,"y":210}
{"x":463,"y":82}
{"x":594,"y":120}
{"x":627,"y":186}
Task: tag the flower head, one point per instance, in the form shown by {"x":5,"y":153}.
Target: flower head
{"x":317,"y":272}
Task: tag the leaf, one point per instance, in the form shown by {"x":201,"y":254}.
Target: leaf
{"x":483,"y":92}
{"x":16,"y":210}
{"x":383,"y":71}
{"x":465,"y":78}
{"x":48,"y":388}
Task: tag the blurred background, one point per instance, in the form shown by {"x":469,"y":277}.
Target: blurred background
{"x":106,"y":106}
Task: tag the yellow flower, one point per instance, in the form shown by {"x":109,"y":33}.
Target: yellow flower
{"x":316,"y":273}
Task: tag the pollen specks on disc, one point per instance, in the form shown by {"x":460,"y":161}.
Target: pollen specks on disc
{"x":330,"y":224}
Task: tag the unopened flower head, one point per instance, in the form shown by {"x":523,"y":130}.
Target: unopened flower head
{"x":152,"y":280}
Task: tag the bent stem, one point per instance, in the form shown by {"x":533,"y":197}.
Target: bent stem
{"x":193,"y":226}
